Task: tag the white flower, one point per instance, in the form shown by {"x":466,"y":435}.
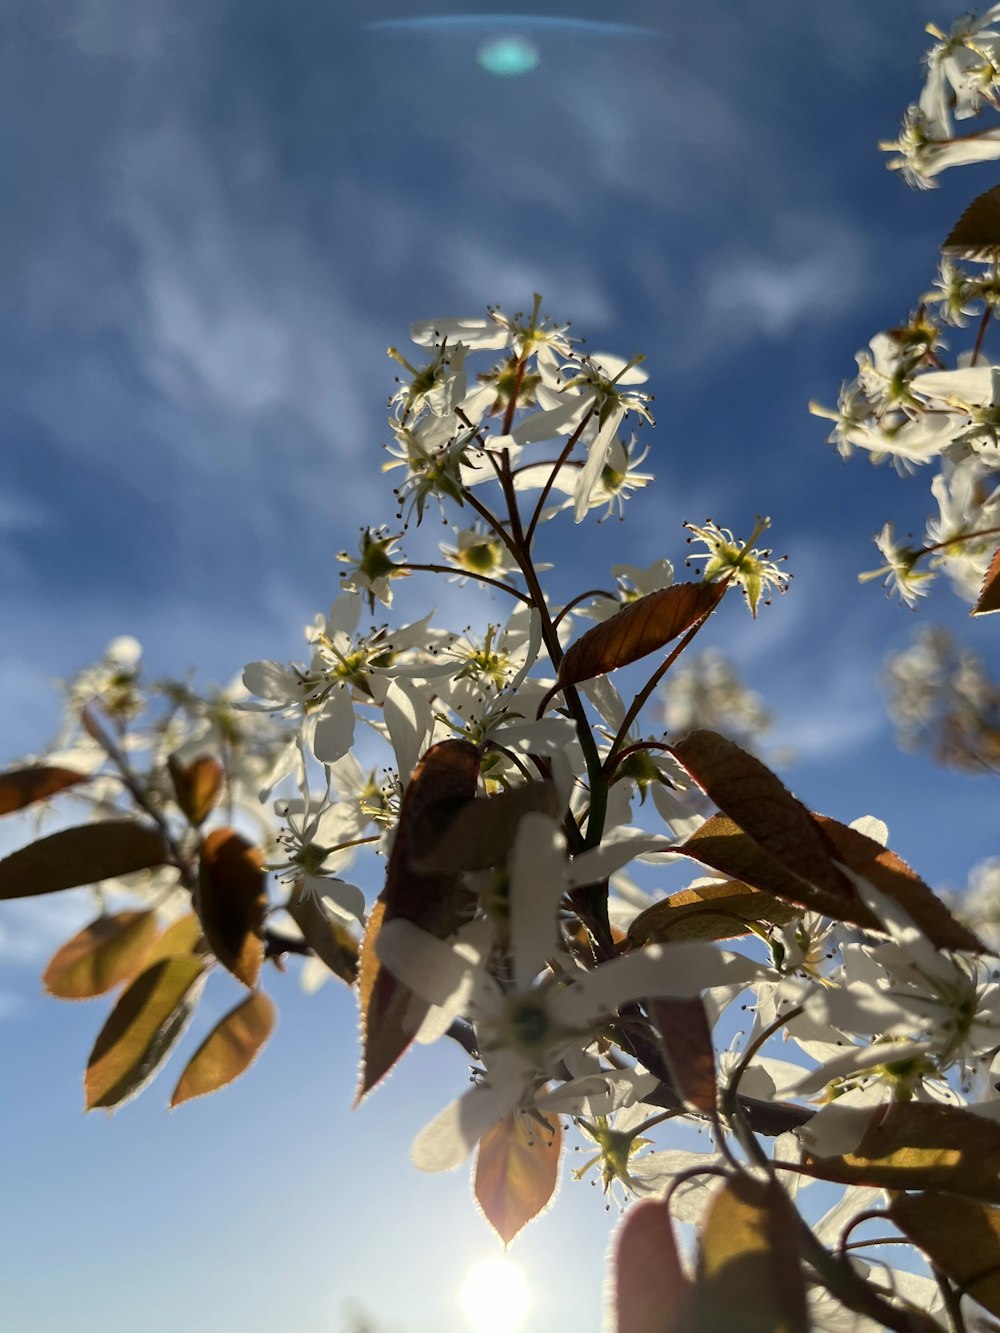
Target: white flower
{"x":438,"y":387}
{"x":315,"y":847}
{"x":961,"y":70}
{"x":899,"y":574}
{"x":525,"y":1026}
{"x":925,"y":150}
{"x":752,"y":570}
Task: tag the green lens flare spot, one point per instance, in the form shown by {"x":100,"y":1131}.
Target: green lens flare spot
{"x":508,"y":57}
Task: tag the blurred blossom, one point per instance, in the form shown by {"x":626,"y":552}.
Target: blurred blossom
{"x":941,"y":698}
{"x":705,"y":691}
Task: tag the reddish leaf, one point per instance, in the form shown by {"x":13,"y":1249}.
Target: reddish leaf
{"x":749,"y":1272}
{"x":517,"y":1171}
{"x":989,"y":594}
{"x":482,"y":832}
{"x":718,"y":911}
{"x":390,"y":1012}
{"x":920,"y":1146}
{"x":104,"y":953}
{"x":197,"y":786}
{"x":25,"y":786}
{"x":749,"y":793}
{"x":85,"y":855}
{"x":685,"y":1036}
{"x":960,"y":1237}
{"x":443,"y":781}
{"x":722,"y":846}
{"x":641,"y":628}
{"x":229,"y":1049}
{"x":893,"y":877}
{"x":232,"y":901}
{"x":976,"y":234}
{"x":332,"y":943}
{"x":650,"y":1292}
{"x":142,"y":1029}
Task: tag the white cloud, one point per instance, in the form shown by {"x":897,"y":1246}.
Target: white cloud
{"x":814,"y":266}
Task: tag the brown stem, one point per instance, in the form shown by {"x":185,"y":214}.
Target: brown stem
{"x":591,"y":592}
{"x":983,"y":325}
{"x":639,"y":701}
{"x":469,"y":574}
{"x":550,"y":480}
{"x":133,"y":782}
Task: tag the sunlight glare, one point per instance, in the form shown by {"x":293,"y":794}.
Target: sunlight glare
{"x":495,"y":1296}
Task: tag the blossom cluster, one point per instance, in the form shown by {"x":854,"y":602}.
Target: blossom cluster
{"x":914,"y":400}
{"x":512,"y":815}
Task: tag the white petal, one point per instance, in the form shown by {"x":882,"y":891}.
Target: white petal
{"x":537,"y":882}
{"x":593,"y":468}
{"x":334,"y":733}
{"x":669,"y":970}
{"x":562,"y":420}
{"x":484,"y":334}
{"x":125,"y":650}
{"x":872,"y":827}
{"x":271,"y":680}
{"x":841,"y":1125}
{"x":855,"y":1060}
{"x":601,"y":862}
{"x":343,"y":901}
{"x":448,"y":1139}
{"x":407,"y":714}
{"x":428,"y":966}
{"x":973,"y":385}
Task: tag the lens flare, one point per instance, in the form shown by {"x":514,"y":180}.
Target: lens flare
{"x":508,"y":56}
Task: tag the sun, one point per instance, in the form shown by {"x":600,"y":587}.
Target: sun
{"x":495,"y":1296}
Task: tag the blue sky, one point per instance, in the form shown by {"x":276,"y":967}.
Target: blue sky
{"x":222,"y":215}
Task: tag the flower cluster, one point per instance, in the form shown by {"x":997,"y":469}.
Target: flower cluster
{"x":487,"y":786}
{"x":911,"y":401}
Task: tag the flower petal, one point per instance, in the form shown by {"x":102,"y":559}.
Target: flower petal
{"x":448,"y":1139}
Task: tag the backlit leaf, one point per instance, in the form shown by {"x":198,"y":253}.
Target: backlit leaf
{"x":517,"y":1171}
{"x":390,"y":1012}
{"x":232,"y":901}
{"x":719,"y":911}
{"x":749,"y":793}
{"x":639,"y":629}
{"x":330,"y":941}
{"x":482,"y":832}
{"x":721,"y":845}
{"x":197,"y":786}
{"x":104,"y":953}
{"x":920,"y":1146}
{"x":85,"y":855}
{"x":749,"y":1272}
{"x":685,"y":1037}
{"x":960,"y":1237}
{"x":229,"y":1049}
{"x":989,"y":594}
{"x":893,"y":877}
{"x":143,"y":1028}
{"x":25,"y":786}
{"x":650,"y":1292}
{"x":976,"y":234}
{"x":442,"y":783}
{"x":180,"y":937}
